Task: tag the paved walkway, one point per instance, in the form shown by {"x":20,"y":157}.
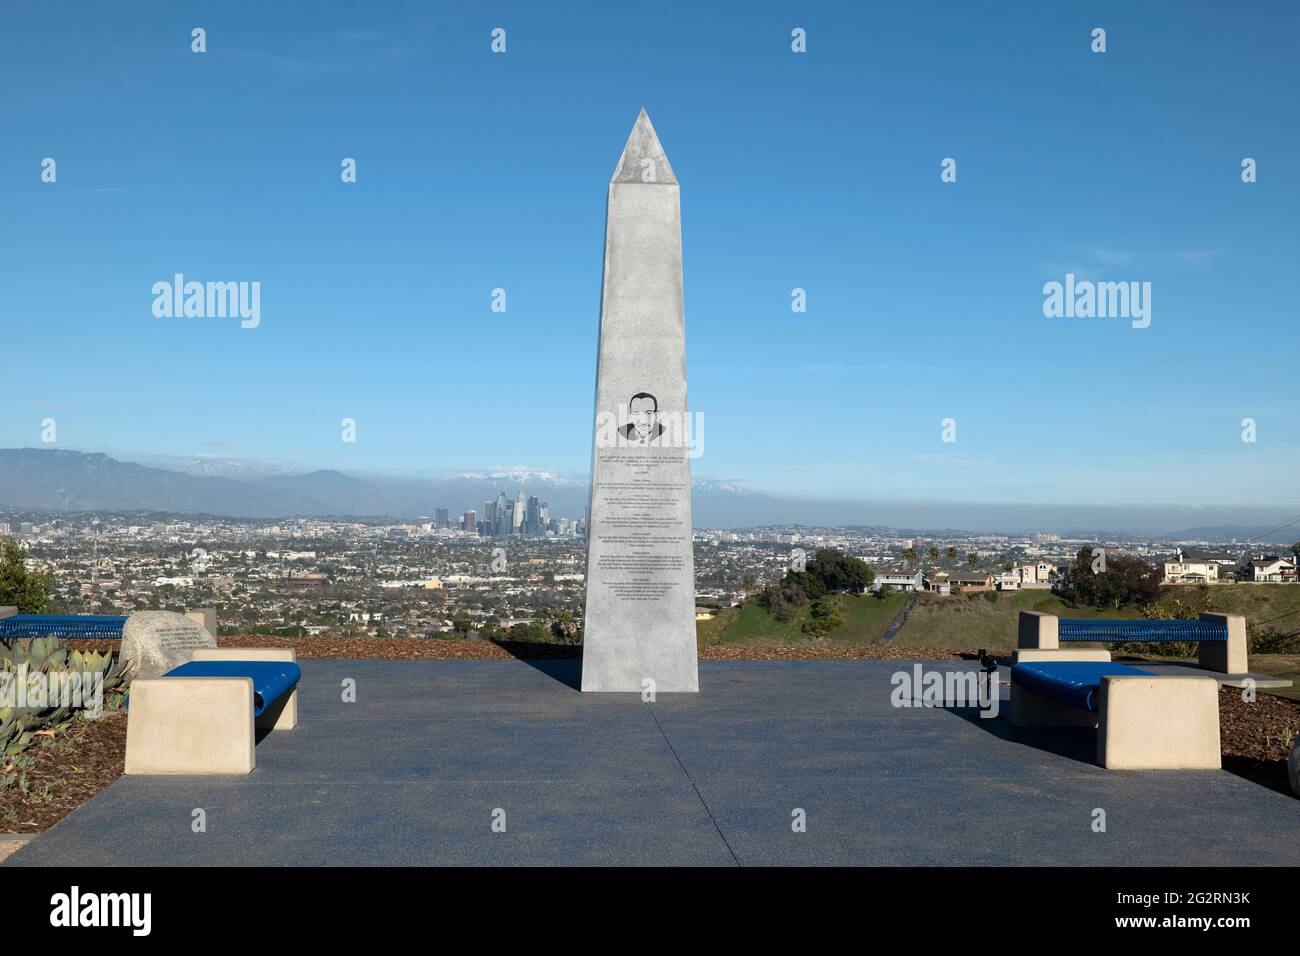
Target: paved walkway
{"x":412,"y":772}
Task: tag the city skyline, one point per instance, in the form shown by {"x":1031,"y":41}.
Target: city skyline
{"x":98,"y":483}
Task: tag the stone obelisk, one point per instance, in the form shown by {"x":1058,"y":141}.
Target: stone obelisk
{"x":639,"y":627}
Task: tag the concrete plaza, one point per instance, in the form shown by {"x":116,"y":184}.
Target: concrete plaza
{"x":412,"y":772}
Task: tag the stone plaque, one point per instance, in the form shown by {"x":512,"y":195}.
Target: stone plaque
{"x":157,"y":641}
{"x":639,"y":627}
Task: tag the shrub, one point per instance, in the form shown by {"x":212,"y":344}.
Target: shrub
{"x":784,"y":598}
{"x":822,"y":619}
{"x":1267,"y":640}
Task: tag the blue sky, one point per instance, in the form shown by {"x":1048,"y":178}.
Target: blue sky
{"x":816,"y":170}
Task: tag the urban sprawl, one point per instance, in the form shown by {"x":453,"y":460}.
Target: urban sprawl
{"x":513,"y":570}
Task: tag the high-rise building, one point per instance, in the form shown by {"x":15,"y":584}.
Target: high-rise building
{"x":470,"y":521}
{"x":441,"y":518}
{"x":502,"y":525}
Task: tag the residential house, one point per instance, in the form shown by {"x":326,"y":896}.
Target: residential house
{"x":973,"y":580}
{"x":1273,"y":569}
{"x":938,"y":582}
{"x":898,"y":580}
{"x":1191,"y":572}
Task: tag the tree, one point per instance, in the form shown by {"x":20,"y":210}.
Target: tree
{"x":838,"y":573}
{"x":952,"y":554}
{"x":1295,"y":550}
{"x":829,"y":572}
{"x":973,"y":559}
{"x":933,"y":553}
{"x":784,"y":598}
{"x":1125,"y":580}
{"x":909,"y":555}
{"x":564,"y":628}
{"x":21,"y":587}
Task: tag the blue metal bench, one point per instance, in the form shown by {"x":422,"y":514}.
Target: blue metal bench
{"x":1144,"y":721}
{"x":1220,"y":639}
{"x":77,"y":626}
{"x":271,"y":679}
{"x":203,"y":716}
{"x":1114,"y":632}
{"x":1076,"y":683}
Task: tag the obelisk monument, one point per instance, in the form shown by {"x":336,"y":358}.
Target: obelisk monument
{"x":639,"y":627}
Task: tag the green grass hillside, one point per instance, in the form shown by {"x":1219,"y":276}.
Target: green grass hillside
{"x":970,"y":621}
{"x":865,"y":620}
{"x":985,"y":619}
{"x":966,"y":622}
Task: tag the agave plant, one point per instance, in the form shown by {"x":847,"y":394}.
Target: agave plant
{"x":18,"y":727}
{"x":115,"y":671}
{"x":50,"y":657}
{"x":15,"y":735}
{"x":38,"y":653}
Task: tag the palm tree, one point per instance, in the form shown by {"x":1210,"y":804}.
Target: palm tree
{"x":973,"y":559}
{"x":952,"y":554}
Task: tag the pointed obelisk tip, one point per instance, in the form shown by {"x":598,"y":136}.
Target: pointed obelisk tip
{"x":643,"y":160}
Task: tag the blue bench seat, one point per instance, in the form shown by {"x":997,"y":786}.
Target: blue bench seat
{"x":1076,"y":683}
{"x":271,"y":679}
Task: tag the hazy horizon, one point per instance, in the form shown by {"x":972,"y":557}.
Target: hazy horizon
{"x":726,"y":504}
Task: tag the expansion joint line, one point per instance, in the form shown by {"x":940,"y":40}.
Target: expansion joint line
{"x":691,"y":780}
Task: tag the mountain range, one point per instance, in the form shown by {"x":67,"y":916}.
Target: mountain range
{"x":60,"y":480}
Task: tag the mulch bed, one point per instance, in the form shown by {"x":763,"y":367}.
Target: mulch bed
{"x":415,"y":649}
{"x":74,"y":766}
{"x":826,"y":652}
{"x":1256,"y":737}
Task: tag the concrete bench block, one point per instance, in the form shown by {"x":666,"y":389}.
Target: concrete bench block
{"x":1293,"y":769}
{"x":205,"y":616}
{"x":1226,"y":657}
{"x":1028,"y":655}
{"x":1159,"y":723}
{"x":283,"y":714}
{"x":1032,"y":709}
{"x":195,"y":725}
{"x":1038,"y":630}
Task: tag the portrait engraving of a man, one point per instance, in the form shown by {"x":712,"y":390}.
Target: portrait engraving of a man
{"x":643,"y":425}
